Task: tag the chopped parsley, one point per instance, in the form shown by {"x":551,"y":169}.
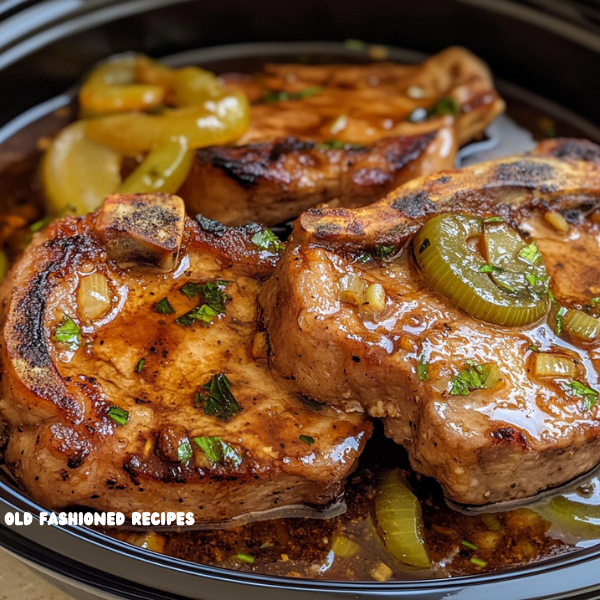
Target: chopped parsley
{"x":338,"y":145}
{"x":204,"y":313}
{"x":489,"y":220}
{"x":184,"y":451}
{"x":444,"y":106}
{"x":140,"y":365}
{"x":218,"y":399}
{"x":214,"y":301}
{"x":534,"y":348}
{"x":560,"y":319}
{"x":595,"y":300}
{"x":163,"y":307}
{"x":217,"y":451}
{"x":281,"y":96}
{"x":211,"y":291}
{"x":307,"y":439}
{"x":383,"y":252}
{"x":552,"y":297}
{"x":474,"y":377}
{"x":423,"y":369}
{"x":68,"y":332}
{"x":41,"y":224}
{"x":267,"y":240}
{"x":118,"y":415}
{"x":530,"y":254}
{"x":576,"y":388}
{"x":469,"y":545}
{"x":490,"y":269}
{"x":247,"y":558}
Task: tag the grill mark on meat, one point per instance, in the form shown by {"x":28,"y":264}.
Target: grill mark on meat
{"x":577,"y":150}
{"x":414,"y":205}
{"x":27,"y":335}
{"x":524,"y":173}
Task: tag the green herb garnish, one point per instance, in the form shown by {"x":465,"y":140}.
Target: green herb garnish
{"x":576,"y":388}
{"x":490,"y":269}
{"x":184,"y":451}
{"x":118,"y":415}
{"x":474,"y":377}
{"x":468,"y":545}
{"x":211,"y":291}
{"x":217,"y":451}
{"x":267,"y":240}
{"x":163,"y":307}
{"x":247,"y":558}
{"x":41,"y":224}
{"x":307,"y":439}
{"x":312,"y":404}
{"x":68,"y":332}
{"x":478,"y":562}
{"x":560,"y":319}
{"x":444,"y":106}
{"x":219,"y":401}
{"x":338,"y":145}
{"x":140,"y":365}
{"x":552,"y":297}
{"x":383,"y":252}
{"x":595,"y":300}
{"x":530,"y":254}
{"x":423,"y":369}
{"x":489,"y":220}
{"x":274,"y":96}
{"x":204,"y":313}
{"x":534,"y":348}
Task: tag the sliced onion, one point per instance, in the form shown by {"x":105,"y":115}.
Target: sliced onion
{"x":344,"y":547}
{"x":552,"y":365}
{"x":399,"y":521}
{"x":94,"y":297}
{"x":582,"y":325}
{"x":375,"y":297}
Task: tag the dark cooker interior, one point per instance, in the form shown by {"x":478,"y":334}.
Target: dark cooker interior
{"x":557,"y":73}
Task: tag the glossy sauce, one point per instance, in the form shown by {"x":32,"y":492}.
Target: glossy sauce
{"x":302,"y":547}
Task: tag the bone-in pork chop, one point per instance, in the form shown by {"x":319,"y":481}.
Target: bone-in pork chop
{"x":343,"y":133}
{"x":134,"y":375}
{"x":495,"y":405}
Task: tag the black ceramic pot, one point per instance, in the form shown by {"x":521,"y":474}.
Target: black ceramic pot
{"x":546,"y":52}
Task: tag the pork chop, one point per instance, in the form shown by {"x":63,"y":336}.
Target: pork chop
{"x":402,"y":363}
{"x":348,"y":133}
{"x":134,"y":374}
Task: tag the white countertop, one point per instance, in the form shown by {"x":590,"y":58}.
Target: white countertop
{"x":17,"y":582}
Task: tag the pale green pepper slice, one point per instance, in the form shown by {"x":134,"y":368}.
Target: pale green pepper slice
{"x":508,"y":287}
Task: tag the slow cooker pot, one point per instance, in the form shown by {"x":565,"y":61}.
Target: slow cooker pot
{"x":545,"y":53}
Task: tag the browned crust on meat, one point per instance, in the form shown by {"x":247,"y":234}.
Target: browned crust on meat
{"x":64,"y":448}
{"x":559,"y":175}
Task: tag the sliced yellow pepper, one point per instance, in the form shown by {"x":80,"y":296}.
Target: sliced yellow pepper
{"x":77,"y":173}
{"x":217,"y":121}
{"x":112,"y":88}
{"x":193,"y":86}
{"x":163,"y":170}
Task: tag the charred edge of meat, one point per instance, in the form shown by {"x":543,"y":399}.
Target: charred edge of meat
{"x":510,"y":435}
{"x":149,"y":220}
{"x":572,"y":149}
{"x":248,"y":164}
{"x":28,"y":329}
{"x":414,"y":205}
{"x":524,"y":173}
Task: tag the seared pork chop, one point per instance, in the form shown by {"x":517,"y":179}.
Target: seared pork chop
{"x":418,"y":361}
{"x":134,"y":375}
{"x":348,"y":133}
